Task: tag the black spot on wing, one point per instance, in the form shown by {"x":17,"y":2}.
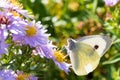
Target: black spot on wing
{"x":96,"y":47}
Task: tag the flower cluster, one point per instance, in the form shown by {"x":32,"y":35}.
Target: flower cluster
{"x":22,"y":31}
{"x":7,"y":75}
{"x":15,"y":23}
{"x":11,"y":75}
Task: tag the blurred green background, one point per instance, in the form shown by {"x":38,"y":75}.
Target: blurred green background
{"x":76,"y":18}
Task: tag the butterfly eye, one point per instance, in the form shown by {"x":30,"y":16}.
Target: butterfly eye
{"x":96,"y":46}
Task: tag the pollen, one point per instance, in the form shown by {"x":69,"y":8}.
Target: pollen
{"x":30,"y":30}
{"x":59,"y":56}
{"x":22,"y":77}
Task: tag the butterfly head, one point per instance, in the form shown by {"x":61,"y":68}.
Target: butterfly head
{"x":71,"y":44}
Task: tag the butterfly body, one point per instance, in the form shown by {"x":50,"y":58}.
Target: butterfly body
{"x":85,"y":53}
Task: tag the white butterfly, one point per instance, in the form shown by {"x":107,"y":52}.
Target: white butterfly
{"x":86,"y":52}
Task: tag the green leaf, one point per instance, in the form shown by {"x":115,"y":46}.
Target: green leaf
{"x":111,"y":61}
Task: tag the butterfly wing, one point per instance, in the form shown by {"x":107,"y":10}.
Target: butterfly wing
{"x":102,"y":42}
{"x":83,"y":54}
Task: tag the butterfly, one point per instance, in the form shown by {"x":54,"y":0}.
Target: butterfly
{"x":85,"y":53}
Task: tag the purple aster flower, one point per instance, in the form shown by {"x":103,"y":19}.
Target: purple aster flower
{"x":5,"y":4}
{"x":59,"y":60}
{"x":24,"y":76}
{"x":24,"y":13}
{"x":3,"y":45}
{"x":33,"y":78}
{"x":49,"y":52}
{"x":14,"y":6}
{"x":7,"y":75}
{"x":111,"y":2}
{"x":45,"y":50}
{"x":63,"y":65}
{"x":10,"y":22}
{"x":33,"y":35}
{"x":17,"y":7}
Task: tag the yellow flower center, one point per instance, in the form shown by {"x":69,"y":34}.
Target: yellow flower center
{"x":59,"y":56}
{"x":30,"y":31}
{"x":22,"y":77}
{"x":15,"y":13}
{"x":16,"y":3}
